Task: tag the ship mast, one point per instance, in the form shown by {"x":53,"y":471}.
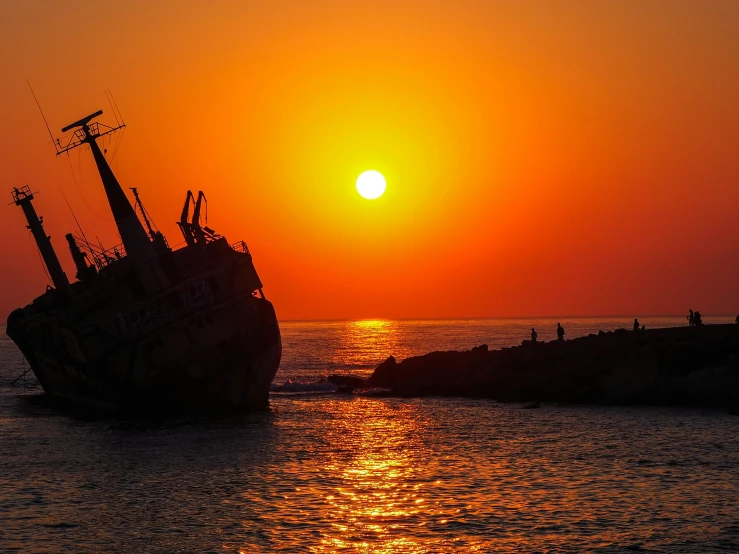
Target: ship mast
{"x":137,"y":243}
{"x":23,"y":197}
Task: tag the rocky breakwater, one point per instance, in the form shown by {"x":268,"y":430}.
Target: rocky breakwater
{"x":694,"y":366}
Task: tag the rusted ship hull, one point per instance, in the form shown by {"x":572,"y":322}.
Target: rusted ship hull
{"x":240,"y":388}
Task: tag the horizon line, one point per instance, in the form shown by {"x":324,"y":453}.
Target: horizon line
{"x":487,"y":318}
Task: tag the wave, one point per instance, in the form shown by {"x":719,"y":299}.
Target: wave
{"x":300,"y":387}
{"x":375,"y":391}
{"x":323,"y":387}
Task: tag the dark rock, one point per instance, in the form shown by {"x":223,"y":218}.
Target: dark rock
{"x":384,"y":372}
{"x":389,"y":363}
{"x":347,"y":381}
{"x":676,"y":366}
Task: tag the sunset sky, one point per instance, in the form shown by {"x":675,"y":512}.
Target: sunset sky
{"x":541,"y":158}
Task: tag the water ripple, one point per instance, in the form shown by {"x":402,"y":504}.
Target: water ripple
{"x":323,"y":473}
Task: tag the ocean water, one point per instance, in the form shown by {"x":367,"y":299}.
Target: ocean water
{"x":320,"y":472}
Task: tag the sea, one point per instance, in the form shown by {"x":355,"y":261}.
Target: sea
{"x":323,"y":472}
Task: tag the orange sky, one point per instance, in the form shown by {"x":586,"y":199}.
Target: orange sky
{"x":542,"y":158}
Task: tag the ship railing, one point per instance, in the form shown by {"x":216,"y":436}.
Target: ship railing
{"x":241,"y":246}
{"x":100,"y":256}
{"x":19,"y":193}
{"x":79,"y":136}
{"x":113,"y":254}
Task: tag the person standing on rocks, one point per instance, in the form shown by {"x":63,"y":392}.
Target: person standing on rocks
{"x":560,"y":332}
{"x":636,"y":325}
{"x":697,"y":319}
{"x":691,"y":319}
{"x":534,"y":334}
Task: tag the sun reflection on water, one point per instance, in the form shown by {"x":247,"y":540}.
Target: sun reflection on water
{"x":380,"y":501}
{"x":365,"y":342}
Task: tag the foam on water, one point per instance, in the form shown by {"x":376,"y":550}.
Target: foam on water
{"x":297,"y":387}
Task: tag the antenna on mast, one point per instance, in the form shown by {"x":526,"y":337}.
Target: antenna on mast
{"x":54,"y":141}
{"x":88,"y":131}
{"x":111,"y":106}
{"x":120,"y":115}
{"x":137,"y":243}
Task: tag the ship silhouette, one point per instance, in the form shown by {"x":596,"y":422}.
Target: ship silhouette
{"x":146,"y":328}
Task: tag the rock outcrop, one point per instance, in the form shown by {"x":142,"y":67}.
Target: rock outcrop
{"x":349,"y":381}
{"x":696,"y":366}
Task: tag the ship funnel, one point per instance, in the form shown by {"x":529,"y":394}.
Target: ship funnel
{"x":137,"y":243}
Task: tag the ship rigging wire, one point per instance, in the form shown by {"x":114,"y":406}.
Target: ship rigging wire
{"x":75,"y":217}
{"x":117,"y":144}
{"x":43,"y":264}
{"x":123,"y":122}
{"x":82,"y":195}
{"x":108,"y":96}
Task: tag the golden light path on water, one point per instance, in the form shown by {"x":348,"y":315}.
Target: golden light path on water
{"x":396,"y":476}
{"x":381,"y":503}
{"x":378,"y":495}
{"x":363,"y":340}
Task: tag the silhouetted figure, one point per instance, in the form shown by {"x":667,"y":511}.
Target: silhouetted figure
{"x":636,"y":325}
{"x":737,"y":319}
{"x":560,"y":332}
{"x":534,"y":334}
{"x":697,"y":318}
{"x":643,"y":328}
{"x":691,"y":319}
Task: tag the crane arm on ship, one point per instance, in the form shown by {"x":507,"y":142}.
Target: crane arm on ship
{"x":195,"y":224}
{"x":183,"y":223}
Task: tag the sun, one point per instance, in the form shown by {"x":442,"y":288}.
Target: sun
{"x":371,"y":184}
